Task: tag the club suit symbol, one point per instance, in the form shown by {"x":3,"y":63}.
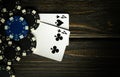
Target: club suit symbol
{"x":54,"y":49}
{"x":58,"y":37}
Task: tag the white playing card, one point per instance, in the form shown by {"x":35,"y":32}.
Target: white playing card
{"x":50,"y":39}
{"x":52,"y":18}
{"x":60,"y":20}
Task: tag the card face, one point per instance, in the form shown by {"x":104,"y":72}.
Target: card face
{"x":60,"y":20}
{"x":51,"y":41}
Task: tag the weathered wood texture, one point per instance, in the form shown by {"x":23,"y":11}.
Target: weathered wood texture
{"x":94,"y":41}
{"x":93,"y":18}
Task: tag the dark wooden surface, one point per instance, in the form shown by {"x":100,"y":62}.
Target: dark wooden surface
{"x":94,"y":42}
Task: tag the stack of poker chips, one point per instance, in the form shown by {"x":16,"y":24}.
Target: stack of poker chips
{"x":16,"y":39}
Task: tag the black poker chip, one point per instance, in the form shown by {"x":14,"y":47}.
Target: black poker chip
{"x":0,"y":3}
{"x":2,"y":39}
{"x":16,"y":39}
{"x":4,"y":12}
{"x":8,"y":6}
{"x":32,"y":17}
{"x":1,"y":48}
{"x":28,"y":45}
{"x":11,"y":4}
{"x":3,"y":42}
{"x":1,"y":55}
{"x":10,"y":53}
{"x":2,"y":31}
{"x":6,"y":71}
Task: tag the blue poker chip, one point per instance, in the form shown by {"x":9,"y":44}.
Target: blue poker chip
{"x":16,"y":28}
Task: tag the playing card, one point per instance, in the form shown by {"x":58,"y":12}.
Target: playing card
{"x":60,"y":20}
{"x":51,"y":41}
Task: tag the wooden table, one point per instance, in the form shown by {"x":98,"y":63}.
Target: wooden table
{"x":94,"y":41}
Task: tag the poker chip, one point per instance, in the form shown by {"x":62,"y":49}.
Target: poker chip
{"x":1,"y":38}
{"x":1,"y":51}
{"x":6,"y":71}
{"x":16,"y":28}
{"x":1,"y":56}
{"x":0,"y":3}
{"x":3,"y":42}
{"x":4,"y":12}
{"x":16,"y":39}
{"x":11,"y":4}
{"x":2,"y":21}
{"x":31,"y":17}
{"x":1,"y":47}
{"x":28,"y":45}
{"x":11,"y":53}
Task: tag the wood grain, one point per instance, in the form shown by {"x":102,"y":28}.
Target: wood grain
{"x":94,"y":40}
{"x":83,"y":58}
{"x":93,"y":18}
